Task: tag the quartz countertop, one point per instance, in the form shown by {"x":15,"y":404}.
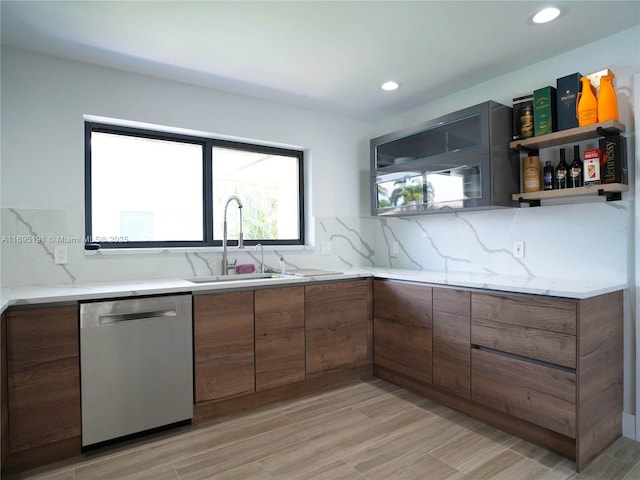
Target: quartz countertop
{"x":556,"y":287}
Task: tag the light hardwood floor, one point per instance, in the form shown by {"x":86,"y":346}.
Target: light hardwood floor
{"x":367,"y":430}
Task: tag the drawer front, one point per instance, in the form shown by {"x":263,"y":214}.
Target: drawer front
{"x":539,"y":394}
{"x":544,"y":345}
{"x":555,"y":315}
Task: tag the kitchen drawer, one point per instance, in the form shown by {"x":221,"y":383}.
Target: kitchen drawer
{"x":529,"y":311}
{"x":544,"y":345}
{"x":539,"y":394}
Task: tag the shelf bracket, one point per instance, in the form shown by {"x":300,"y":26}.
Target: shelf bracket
{"x":603,"y":132}
{"x":532,"y":202}
{"x":527,"y":149}
{"x":611,"y":196}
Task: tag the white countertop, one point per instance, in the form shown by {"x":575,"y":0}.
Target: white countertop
{"x":95,"y":291}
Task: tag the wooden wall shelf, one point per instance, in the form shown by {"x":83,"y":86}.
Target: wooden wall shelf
{"x":613,"y":191}
{"x":569,"y":136}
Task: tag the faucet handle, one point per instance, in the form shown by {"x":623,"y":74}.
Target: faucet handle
{"x":232,"y":266}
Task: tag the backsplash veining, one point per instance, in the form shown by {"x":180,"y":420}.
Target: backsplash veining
{"x":576,"y":241}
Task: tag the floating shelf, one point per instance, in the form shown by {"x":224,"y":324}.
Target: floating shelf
{"x":568,"y":136}
{"x":613,"y":191}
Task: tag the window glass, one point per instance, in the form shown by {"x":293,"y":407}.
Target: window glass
{"x":145,"y":189}
{"x":267,"y":185}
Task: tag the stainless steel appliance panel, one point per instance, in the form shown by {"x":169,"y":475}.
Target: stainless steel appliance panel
{"x":136,"y":365}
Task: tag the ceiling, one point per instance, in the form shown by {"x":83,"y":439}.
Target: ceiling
{"x":327,"y":55}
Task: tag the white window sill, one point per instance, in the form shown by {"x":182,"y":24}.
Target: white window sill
{"x":182,"y":250}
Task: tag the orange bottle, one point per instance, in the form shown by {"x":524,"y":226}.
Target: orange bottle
{"x":587,"y":104}
{"x":607,"y":100}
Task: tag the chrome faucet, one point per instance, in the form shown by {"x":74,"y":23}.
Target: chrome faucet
{"x":261,"y":256}
{"x":225,"y":260}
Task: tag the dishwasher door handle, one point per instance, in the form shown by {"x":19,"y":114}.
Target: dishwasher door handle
{"x":125,"y":317}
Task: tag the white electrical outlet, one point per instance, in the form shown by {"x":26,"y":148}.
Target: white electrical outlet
{"x":518,"y":249}
{"x":61,"y":254}
{"x":325,"y":247}
{"x":395,"y":248}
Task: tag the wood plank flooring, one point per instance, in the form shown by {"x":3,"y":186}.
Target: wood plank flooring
{"x":367,"y":430}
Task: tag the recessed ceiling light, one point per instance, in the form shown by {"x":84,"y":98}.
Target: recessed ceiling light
{"x":546,"y":15}
{"x":389,"y":85}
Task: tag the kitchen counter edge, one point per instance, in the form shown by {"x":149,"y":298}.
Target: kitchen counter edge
{"x":568,"y":288}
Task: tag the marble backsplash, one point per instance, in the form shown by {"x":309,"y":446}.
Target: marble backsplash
{"x":577,"y":241}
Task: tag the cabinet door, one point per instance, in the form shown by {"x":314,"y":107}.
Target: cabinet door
{"x":43,"y":376}
{"x":280,"y":353}
{"x":403,"y":329}
{"x":452,"y":340}
{"x":337,"y":325}
{"x":223,"y":345}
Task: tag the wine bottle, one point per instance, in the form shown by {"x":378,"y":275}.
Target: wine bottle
{"x":575,"y":170}
{"x":561,"y":172}
{"x":548,"y":176}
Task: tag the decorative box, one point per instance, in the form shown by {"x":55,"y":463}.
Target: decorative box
{"x":591,"y":166}
{"x":613,"y":165}
{"x":544,"y":111}
{"x":522,"y":117}
{"x":566,"y":102}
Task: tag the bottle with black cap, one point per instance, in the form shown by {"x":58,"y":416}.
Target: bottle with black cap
{"x":575,"y":170}
{"x":561,"y":172}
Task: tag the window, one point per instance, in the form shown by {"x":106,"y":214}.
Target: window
{"x":155,"y":189}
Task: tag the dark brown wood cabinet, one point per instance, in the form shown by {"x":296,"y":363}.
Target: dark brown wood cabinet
{"x":4,"y":408}
{"x":223,"y":328}
{"x":542,"y":328}
{"x":280,"y":336}
{"x":402,"y":327}
{"x":554,"y":362}
{"x":547,"y":369}
{"x":452,"y":340}
{"x":43,"y":377}
{"x":338,"y":318}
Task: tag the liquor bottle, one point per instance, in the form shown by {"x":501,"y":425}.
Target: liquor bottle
{"x":531,"y":173}
{"x":587,"y":104}
{"x":548,"y":176}
{"x":575,"y":170}
{"x":561,"y":172}
{"x":607,"y":100}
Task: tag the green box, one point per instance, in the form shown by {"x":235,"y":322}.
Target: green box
{"x":544,"y":111}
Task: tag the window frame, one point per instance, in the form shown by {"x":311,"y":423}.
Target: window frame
{"x":208,"y":220}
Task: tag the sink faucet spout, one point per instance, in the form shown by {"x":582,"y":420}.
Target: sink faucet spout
{"x":261,"y":256}
{"x":225,"y":260}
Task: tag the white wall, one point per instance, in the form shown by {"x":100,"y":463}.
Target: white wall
{"x":44,"y":100}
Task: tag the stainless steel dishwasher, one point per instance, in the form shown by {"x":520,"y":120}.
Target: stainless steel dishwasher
{"x":136,"y":365}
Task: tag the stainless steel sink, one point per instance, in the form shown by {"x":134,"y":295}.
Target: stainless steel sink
{"x":232,"y":278}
